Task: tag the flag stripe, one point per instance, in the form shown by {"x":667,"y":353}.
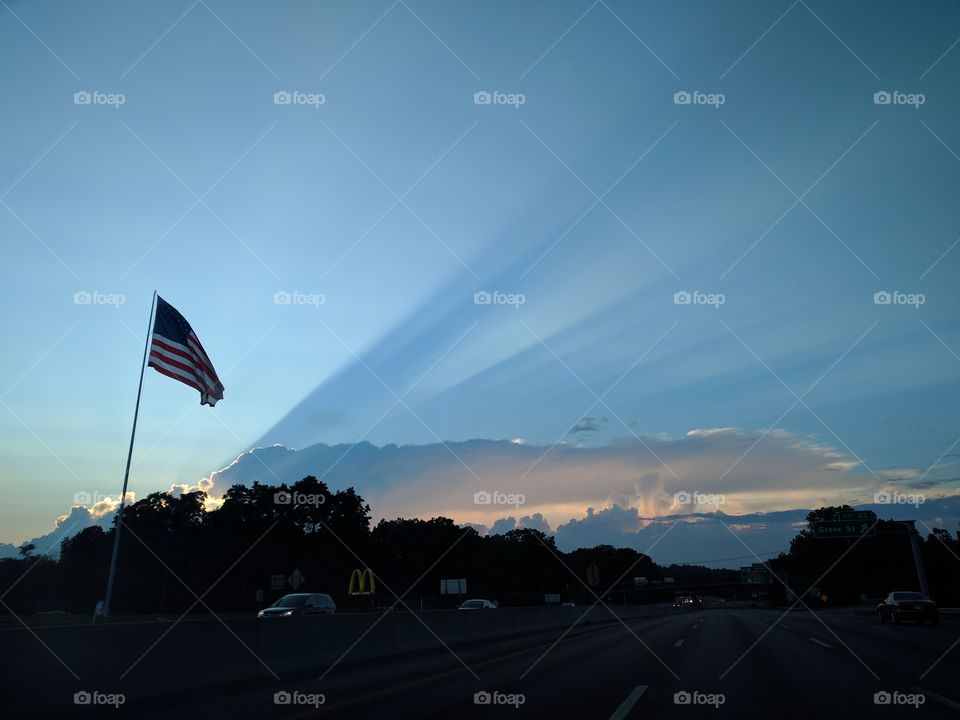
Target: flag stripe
{"x":192,"y":351}
{"x":200,"y":355}
{"x":175,"y":374}
{"x":184,"y":369}
{"x":186,"y":363}
{"x":171,"y":347}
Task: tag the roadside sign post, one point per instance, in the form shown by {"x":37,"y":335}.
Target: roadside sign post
{"x":593,"y":576}
{"x":296,"y":579}
{"x":454,"y":586}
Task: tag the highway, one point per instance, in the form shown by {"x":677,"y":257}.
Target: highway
{"x":733,"y":662}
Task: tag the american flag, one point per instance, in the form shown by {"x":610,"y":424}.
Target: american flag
{"x":176,"y":352}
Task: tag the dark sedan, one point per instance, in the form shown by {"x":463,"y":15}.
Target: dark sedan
{"x":300,"y":604}
{"x":899,"y":606}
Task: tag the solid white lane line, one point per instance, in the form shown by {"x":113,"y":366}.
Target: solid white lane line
{"x":627,"y":705}
{"x":785,"y":627}
{"x":820,"y":642}
{"x":678,"y":643}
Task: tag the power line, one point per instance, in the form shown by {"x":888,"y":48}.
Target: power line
{"x":737,"y":557}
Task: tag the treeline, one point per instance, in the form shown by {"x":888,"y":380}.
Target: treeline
{"x":171,"y":545}
{"x":243,"y":555}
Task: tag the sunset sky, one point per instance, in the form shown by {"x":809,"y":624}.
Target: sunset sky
{"x":335,"y":252}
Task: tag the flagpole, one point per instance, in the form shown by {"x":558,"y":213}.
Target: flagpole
{"x":126,"y":472}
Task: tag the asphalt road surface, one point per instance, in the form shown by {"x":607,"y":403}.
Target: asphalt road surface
{"x":736,"y":663}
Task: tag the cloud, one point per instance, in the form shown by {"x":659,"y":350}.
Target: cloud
{"x":535,"y":522}
{"x":586,"y":425}
{"x":611,"y":525}
{"x":734,"y":484}
{"x":506,"y":524}
{"x":718,"y":539}
{"x":899,"y":473}
{"x":591,"y":425}
{"x":77,"y":518}
{"x":753,"y":471}
{"x":503,"y":525}
{"x":928,"y":484}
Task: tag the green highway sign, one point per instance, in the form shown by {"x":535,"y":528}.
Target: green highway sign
{"x":756,"y":574}
{"x":843,"y":528}
{"x":861,"y":515}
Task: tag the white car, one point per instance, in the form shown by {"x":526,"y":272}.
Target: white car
{"x":477,"y":604}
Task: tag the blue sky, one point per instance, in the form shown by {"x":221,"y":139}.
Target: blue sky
{"x":398,"y":198}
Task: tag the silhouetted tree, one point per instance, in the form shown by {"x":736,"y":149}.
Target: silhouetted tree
{"x":173,"y":547}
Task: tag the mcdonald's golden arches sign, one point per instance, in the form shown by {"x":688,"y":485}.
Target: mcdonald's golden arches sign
{"x":362,"y":583}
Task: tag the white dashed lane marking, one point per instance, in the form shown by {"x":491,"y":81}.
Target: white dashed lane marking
{"x":627,"y":705}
